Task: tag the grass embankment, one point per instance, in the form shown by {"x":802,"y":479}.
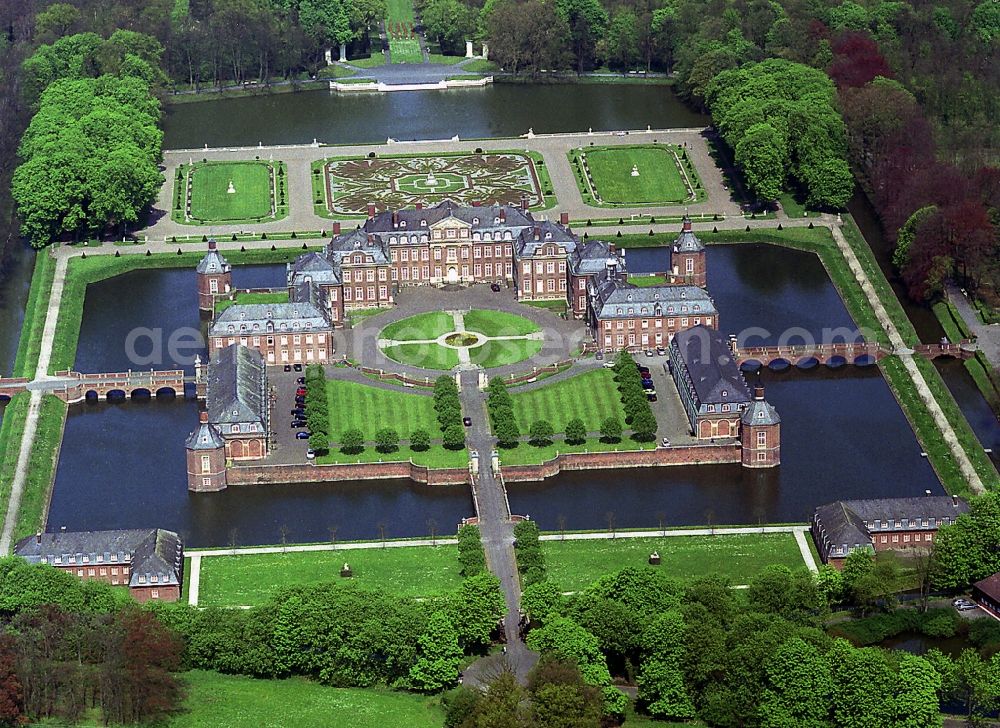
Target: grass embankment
{"x":604,"y":175}
{"x":978,"y":367}
{"x":242,"y":298}
{"x":369,"y":409}
{"x":416,"y":571}
{"x":41,"y":467}
{"x":574,"y":565}
{"x":83,"y":271}
{"x":229,"y":701}
{"x":30,"y":343}
{"x":11,"y":431}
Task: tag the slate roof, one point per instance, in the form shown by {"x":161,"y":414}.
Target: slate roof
{"x":213,"y":262}
{"x":760,"y":412}
{"x":149,"y":552}
{"x":711,"y":369}
{"x":541,"y":233}
{"x":315,"y":267}
{"x":237,"y":386}
{"x":480,"y":218}
{"x":847,"y":521}
{"x":990,"y":586}
{"x":615,"y":298}
{"x":206,"y":437}
{"x":687,"y":241}
{"x":592,"y":257}
{"x":262,"y":318}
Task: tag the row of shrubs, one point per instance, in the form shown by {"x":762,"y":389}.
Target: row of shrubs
{"x":527,"y":547}
{"x":449,"y":412}
{"x":471,"y":558}
{"x":500,"y":406}
{"x":317,"y":408}
{"x":638,"y":413}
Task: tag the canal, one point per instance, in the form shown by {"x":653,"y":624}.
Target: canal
{"x":844,"y":435}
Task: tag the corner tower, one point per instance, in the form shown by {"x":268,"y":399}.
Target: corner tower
{"x":206,"y":458}
{"x":215,"y":278}
{"x":687,"y":259}
{"x":760,"y":433}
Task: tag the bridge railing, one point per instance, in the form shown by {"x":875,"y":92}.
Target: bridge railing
{"x":136,"y":375}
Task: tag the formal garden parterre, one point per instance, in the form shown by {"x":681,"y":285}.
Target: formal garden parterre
{"x":346,"y":186}
{"x":207,"y":193}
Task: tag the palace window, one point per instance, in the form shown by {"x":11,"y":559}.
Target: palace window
{"x":761,"y":439}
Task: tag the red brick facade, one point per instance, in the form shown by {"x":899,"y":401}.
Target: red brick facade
{"x":280,"y":347}
{"x":761,"y":445}
{"x":645,"y":332}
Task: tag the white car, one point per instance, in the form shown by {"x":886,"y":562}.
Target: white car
{"x":608,"y":365}
{"x":963,"y":605}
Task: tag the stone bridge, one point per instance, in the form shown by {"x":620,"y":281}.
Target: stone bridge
{"x":74,"y":387}
{"x":858,"y":353}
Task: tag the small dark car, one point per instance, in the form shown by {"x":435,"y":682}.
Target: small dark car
{"x":495,"y":287}
{"x":298,"y":412}
{"x":651,"y":397}
{"x":661,"y":351}
{"x":297,"y":367}
{"x":296,"y":424}
{"x":288,"y":367}
{"x":302,"y":435}
{"x":599,"y":356}
{"x":300,"y":380}
{"x":467,"y":421}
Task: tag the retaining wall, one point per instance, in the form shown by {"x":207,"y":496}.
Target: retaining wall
{"x":268,"y":474}
{"x":661,"y":456}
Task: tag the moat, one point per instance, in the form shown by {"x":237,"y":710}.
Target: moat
{"x":850,"y":437}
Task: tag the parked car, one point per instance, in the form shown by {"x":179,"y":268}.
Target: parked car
{"x":650,"y":396}
{"x":297,"y":367}
{"x":495,"y":287}
{"x":288,"y":367}
{"x":665,"y":442}
{"x":661,"y":351}
{"x":300,"y":380}
{"x":298,"y":412}
{"x":648,"y":385}
{"x":649,"y":352}
{"x":599,"y":356}
{"x":303,"y":435}
{"x":310,"y":455}
{"x":296,"y":424}
{"x":643,"y":370}
{"x":608,"y":365}
{"x":467,"y":421}
{"x":963,"y":605}
{"x":301,"y":391}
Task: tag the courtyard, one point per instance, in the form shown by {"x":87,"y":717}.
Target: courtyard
{"x":229,"y":192}
{"x":655,"y":174}
{"x":346,"y":186}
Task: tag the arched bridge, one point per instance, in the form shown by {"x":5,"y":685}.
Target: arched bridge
{"x":860,"y":353}
{"x":74,"y":387}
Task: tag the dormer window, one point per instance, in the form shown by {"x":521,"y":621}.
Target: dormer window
{"x":496,"y":221}
{"x":475,"y":221}
{"x":402,"y":223}
{"x":548,"y":236}
{"x":423,"y":223}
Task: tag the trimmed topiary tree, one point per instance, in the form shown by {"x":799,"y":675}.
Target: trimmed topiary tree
{"x":420,"y":440}
{"x":541,"y":433}
{"x":611,"y":430}
{"x":387,"y":440}
{"x":454,"y":437}
{"x":352,"y":441}
{"x":576,"y":431}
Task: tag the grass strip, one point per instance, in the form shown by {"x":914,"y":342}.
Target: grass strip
{"x":11,"y":431}
{"x":30,"y":343}
{"x":215,"y":700}
{"x":81,"y":272}
{"x":41,"y":467}
{"x":251,"y":579}
{"x":574,"y":565}
{"x":978,"y":367}
{"x":966,"y":436}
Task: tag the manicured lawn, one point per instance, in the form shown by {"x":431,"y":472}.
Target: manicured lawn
{"x":405,"y":50}
{"x":414,"y":571}
{"x":592,"y":397}
{"x":646,"y":281}
{"x":41,"y":466}
{"x":400,"y":11}
{"x":368,"y":409}
{"x":11,"y":431}
{"x":427,"y":356}
{"x":276,"y":297}
{"x":421,"y":327}
{"x":375,"y":59}
{"x":230,"y":701}
{"x":659,"y":179}
{"x":478,"y":65}
{"x":498,"y":323}
{"x":574,"y":565}
{"x":211,"y":201}
{"x":500,"y":353}
{"x":443,"y":59}
{"x":527,"y":454}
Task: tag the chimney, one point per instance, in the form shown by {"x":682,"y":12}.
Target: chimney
{"x":524,"y":203}
{"x":564,"y":218}
{"x":203,"y":417}
{"x":336,"y":228}
{"x":476,"y":203}
{"x":954,"y":501}
{"x":371,"y":238}
{"x":211,"y":244}
{"x":395,"y":220}
{"x":538,"y":233}
{"x":38,"y":536}
{"x":758,"y":393}
{"x":371,"y":210}
{"x":687,"y":224}
{"x":62,"y":529}
{"x":611,"y":248}
{"x":503,"y":214}
{"x":420,"y":205}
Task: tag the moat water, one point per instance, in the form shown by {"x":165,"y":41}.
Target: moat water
{"x":844,"y":435}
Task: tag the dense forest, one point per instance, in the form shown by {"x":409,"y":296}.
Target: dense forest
{"x":916,"y":85}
